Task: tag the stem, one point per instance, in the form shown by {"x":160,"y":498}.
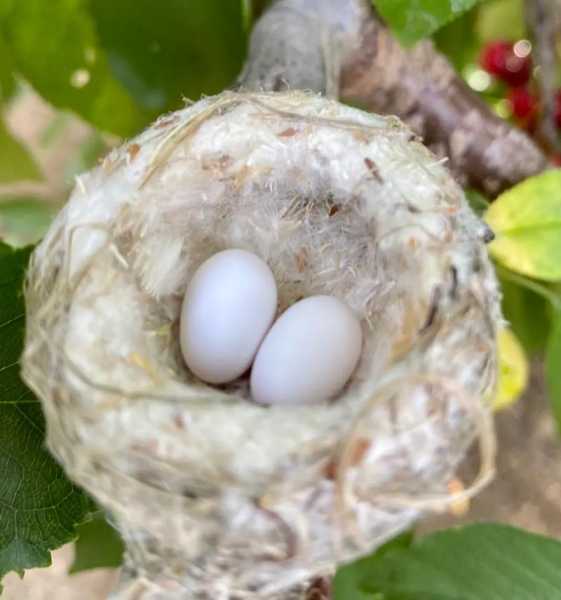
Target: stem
{"x":534,"y":286}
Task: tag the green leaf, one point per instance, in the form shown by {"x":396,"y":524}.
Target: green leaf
{"x":171,"y":49}
{"x":99,"y":545}
{"x":55,"y":48}
{"x":346,"y":583}
{"x":527,"y":223}
{"x":39,"y":506}
{"x":16,"y":163}
{"x":500,"y":20}
{"x":475,"y":562}
{"x":24,"y":220}
{"x":412,"y":20}
{"x":553,"y":368}
{"x":527,"y":313}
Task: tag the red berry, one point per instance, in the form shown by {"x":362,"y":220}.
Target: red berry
{"x":523,"y":103}
{"x":499,"y":59}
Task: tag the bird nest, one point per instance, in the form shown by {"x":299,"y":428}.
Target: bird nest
{"x":216,"y":496}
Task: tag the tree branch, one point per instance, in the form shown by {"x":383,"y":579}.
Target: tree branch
{"x":422,"y":88}
{"x":340,"y":48}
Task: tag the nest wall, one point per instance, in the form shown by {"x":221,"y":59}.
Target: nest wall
{"x":216,"y":496}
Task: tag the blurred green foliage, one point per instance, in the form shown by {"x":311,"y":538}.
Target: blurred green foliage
{"x":24,"y":219}
{"x":165,"y":51}
{"x":463,"y":28}
{"x":55,"y":48}
{"x":412,"y":20}
{"x":7,"y":71}
{"x":16,"y":163}
{"x":500,"y":20}
{"x":119,"y":64}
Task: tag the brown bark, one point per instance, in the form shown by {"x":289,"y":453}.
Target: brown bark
{"x":340,"y":48}
{"x":421,"y":87}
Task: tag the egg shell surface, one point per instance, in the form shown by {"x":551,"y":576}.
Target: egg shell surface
{"x":228,"y":307}
{"x":308,"y":355}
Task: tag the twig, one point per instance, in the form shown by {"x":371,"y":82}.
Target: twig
{"x":422,"y":88}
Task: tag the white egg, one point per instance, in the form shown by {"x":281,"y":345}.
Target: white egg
{"x":309,"y":353}
{"x":229,"y":305}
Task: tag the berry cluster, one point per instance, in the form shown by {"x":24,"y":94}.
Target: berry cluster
{"x":511,"y":63}
{"x":507,"y":62}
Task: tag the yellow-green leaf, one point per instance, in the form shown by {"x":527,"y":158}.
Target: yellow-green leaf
{"x":500,"y":20}
{"x":513,"y":370}
{"x":527,"y":223}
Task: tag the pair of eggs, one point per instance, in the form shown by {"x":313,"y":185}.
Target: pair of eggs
{"x":227,"y":324}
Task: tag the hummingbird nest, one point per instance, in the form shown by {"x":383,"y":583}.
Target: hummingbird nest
{"x":218,"y":497}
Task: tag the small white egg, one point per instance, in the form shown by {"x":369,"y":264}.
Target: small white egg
{"x":229,"y":305}
{"x":309,"y":353}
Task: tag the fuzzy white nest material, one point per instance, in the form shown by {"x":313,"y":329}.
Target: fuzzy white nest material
{"x":218,"y":497}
